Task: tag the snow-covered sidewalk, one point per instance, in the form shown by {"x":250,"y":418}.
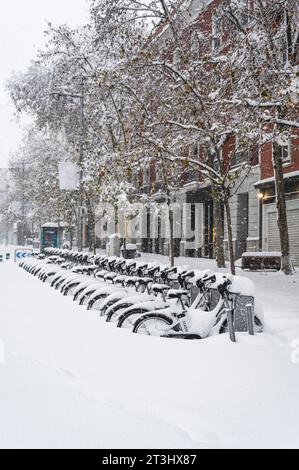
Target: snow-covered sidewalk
{"x":71,"y":380}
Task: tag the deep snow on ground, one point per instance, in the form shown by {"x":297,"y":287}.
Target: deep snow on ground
{"x":71,"y":380}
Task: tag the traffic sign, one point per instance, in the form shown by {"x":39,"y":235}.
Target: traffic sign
{"x":22,"y":253}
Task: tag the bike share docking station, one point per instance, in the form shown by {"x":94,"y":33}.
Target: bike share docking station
{"x":7,"y":257}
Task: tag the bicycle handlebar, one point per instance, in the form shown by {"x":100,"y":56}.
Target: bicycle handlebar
{"x":204,"y":280}
{"x":223,"y":288}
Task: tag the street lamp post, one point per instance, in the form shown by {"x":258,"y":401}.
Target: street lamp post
{"x":22,"y":167}
{"x":79,"y":96}
{"x":23,"y":205}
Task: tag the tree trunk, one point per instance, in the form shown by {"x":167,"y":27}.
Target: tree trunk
{"x":230,"y":237}
{"x":287,"y":266}
{"x":91,"y":235}
{"x":94,"y":245}
{"x":71,"y":238}
{"x":219,"y":247}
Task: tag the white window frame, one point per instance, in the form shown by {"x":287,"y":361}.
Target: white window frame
{"x":158,"y":172}
{"x":285,"y":143}
{"x":216,"y":34}
{"x":192,"y":148}
{"x":146,"y":176}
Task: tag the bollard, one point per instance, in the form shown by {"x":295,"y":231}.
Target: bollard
{"x":1,"y":258}
{"x":230,"y":322}
{"x":7,"y":256}
{"x":249,"y":317}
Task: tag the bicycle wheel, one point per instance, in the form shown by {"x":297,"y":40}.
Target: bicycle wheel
{"x":85,"y":299}
{"x":78,"y":293}
{"x":112,"y":316}
{"x":96,"y":302}
{"x":258,"y":326}
{"x":128,"y":319}
{"x":152,"y":324}
{"x":69,"y":288}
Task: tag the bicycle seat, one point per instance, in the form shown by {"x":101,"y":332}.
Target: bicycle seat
{"x":110,"y":276}
{"x":152,"y":271}
{"x":101,"y":273}
{"x":131,"y":281}
{"x":177,"y":294}
{"x":172,"y":270}
{"x":131,"y":263}
{"x":145,"y":281}
{"x":141,"y":269}
{"x":119,"y":280}
{"x":187,"y":274}
{"x":159,"y":288}
{"x":118,"y":263}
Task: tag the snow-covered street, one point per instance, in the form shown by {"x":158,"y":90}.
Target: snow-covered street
{"x":71,"y":380}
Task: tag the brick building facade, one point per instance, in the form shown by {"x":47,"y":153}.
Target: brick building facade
{"x":253,"y":207}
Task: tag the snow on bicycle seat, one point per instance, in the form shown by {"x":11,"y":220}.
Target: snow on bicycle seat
{"x":120,"y":279}
{"x":110,"y":276}
{"x":160,"y":288}
{"x":101,"y":273}
{"x":131,"y":280}
{"x":145,"y":280}
{"x":176,"y":293}
{"x":92,"y":267}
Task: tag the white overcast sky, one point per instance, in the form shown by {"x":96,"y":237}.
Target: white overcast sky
{"x":22,"y":23}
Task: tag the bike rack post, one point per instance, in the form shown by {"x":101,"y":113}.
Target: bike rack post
{"x":230,"y":322}
{"x":249,"y":317}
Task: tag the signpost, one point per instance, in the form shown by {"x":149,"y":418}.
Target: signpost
{"x":68,"y":176}
{"x":22,"y":253}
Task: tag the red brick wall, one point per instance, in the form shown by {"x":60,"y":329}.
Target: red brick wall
{"x":228,"y":149}
{"x":152,"y":172}
{"x":266,"y":158}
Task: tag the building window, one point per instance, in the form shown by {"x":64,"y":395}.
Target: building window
{"x":194,"y":46}
{"x":197,"y":45}
{"x":135,"y":179}
{"x":176,"y":56}
{"x":193,"y":155}
{"x":253,"y":154}
{"x":284,"y":148}
{"x":247,"y":11}
{"x":284,"y":51}
{"x":193,"y":217}
{"x":194,"y":152}
{"x":285,"y":153}
{"x":146,"y":176}
{"x":249,"y":155}
{"x":216,"y":30}
{"x":158,"y":172}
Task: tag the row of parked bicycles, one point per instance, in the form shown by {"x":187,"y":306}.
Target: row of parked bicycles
{"x":148,"y":298}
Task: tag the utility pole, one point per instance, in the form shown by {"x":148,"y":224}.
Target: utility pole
{"x":80,"y":222}
{"x":6,"y":221}
{"x":79,"y":96}
{"x":21,"y":175}
{"x":23,"y":205}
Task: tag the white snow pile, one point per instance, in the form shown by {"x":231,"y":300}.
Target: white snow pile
{"x":68,"y":379}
